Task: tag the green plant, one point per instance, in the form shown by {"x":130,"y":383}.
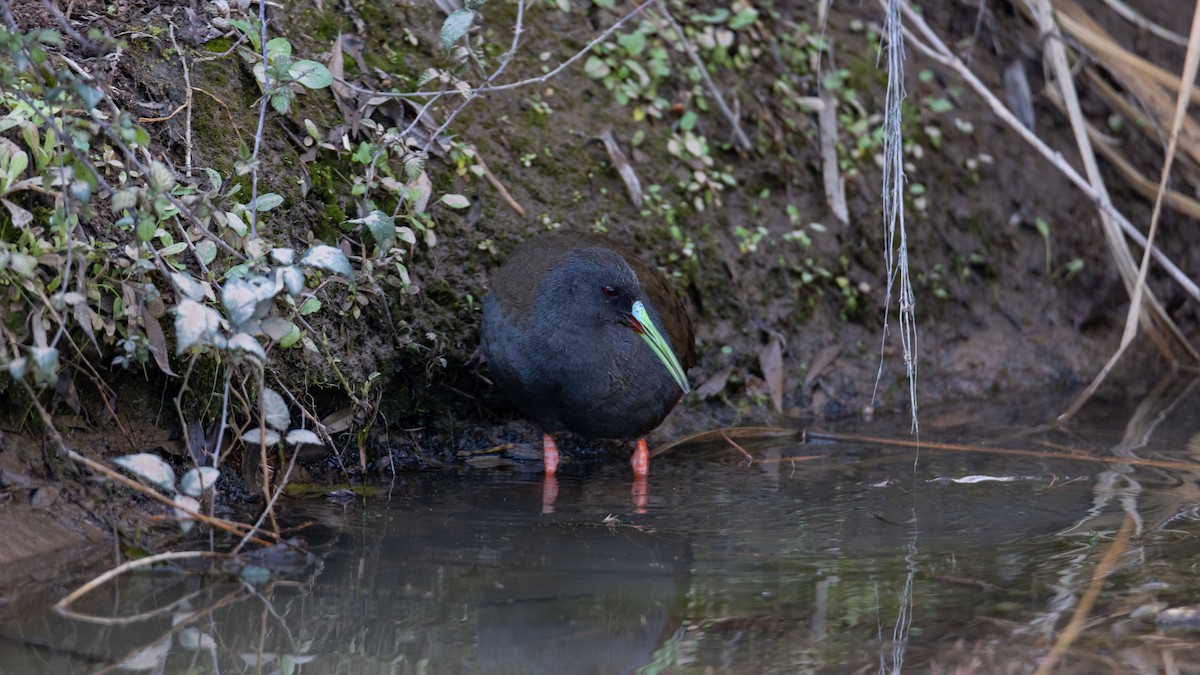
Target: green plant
{"x":279,"y":76}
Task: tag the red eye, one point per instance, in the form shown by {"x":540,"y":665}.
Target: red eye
{"x":609,"y":291}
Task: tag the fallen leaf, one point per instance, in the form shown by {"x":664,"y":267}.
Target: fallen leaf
{"x":770,"y":359}
{"x":819,"y":363}
{"x":715,"y":384}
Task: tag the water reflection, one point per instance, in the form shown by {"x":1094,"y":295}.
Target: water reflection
{"x":828,"y":557}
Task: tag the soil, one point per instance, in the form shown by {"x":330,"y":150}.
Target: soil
{"x":996,"y":311}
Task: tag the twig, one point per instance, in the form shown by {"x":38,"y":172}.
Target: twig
{"x":835,"y":188}
{"x":187,"y":82}
{"x":749,"y":457}
{"x":1075,"y":625}
{"x":165,"y":118}
{"x":495,"y":183}
{"x":740,"y":139}
{"x":1132,"y":16}
{"x":1015,"y":452}
{"x":262,"y":119}
{"x":735,"y":432}
{"x":61,"y":605}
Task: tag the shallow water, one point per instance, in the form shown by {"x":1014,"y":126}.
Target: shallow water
{"x":833,"y":557}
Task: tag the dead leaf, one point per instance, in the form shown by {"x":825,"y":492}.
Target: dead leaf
{"x":84,"y":317}
{"x":338,"y":421}
{"x":715,"y":384}
{"x":158,"y":342}
{"x":819,"y":363}
{"x":337,"y":68}
{"x":20,"y":216}
{"x":770,"y":359}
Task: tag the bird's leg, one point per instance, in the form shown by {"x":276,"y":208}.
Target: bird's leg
{"x":639,"y":494}
{"x":549,"y":454}
{"x":641,"y":459}
{"x":549,"y":493}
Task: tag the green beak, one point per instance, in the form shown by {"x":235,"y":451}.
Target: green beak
{"x":642,"y":325}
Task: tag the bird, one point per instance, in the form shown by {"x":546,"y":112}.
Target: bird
{"x":585,"y":337}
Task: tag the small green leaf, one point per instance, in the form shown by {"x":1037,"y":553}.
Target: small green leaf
{"x":149,"y":468}
{"x":743,"y":18}
{"x":378,"y":228}
{"x":185,"y":521}
{"x":302,"y":437}
{"x":310,"y":306}
{"x":265,"y":202}
{"x":214,"y":178}
{"x":125,"y":198}
{"x":455,"y":201}
{"x":275,"y":410}
{"x":632,"y":43}
{"x":174,"y":249}
{"x":161,"y":178}
{"x":456,"y":26}
{"x":207,"y":250}
{"x":245,"y":342}
{"x":199,"y":479}
{"x":281,"y":100}
{"x":328,"y":258}
{"x":278,"y":47}
{"x":292,"y":337}
{"x":311,"y":74}
{"x":596,"y":68}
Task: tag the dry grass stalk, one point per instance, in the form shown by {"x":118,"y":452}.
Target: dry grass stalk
{"x":1141,"y":293}
{"x":930,"y":44}
{"x":1076,"y":624}
{"x":1153,"y":87}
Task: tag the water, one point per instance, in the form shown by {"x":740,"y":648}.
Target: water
{"x":834,"y":557}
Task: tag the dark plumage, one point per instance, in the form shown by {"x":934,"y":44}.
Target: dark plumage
{"x":561,"y":338}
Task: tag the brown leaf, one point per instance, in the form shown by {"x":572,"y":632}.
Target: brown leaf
{"x":337,"y":68}
{"x":83,"y":317}
{"x":715,"y":384}
{"x":20,"y":216}
{"x":339,"y":420}
{"x":158,"y":342}
{"x":770,"y":359}
{"x":819,"y":363}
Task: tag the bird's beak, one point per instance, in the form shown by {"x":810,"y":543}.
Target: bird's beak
{"x":642,"y":325}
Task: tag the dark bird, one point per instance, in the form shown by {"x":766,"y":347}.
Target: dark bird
{"x":584,"y":337}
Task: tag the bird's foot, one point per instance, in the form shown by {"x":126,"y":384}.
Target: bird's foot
{"x":549,"y":454}
{"x":639,"y":494}
{"x":549,"y":493}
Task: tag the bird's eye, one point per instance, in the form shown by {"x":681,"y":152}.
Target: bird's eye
{"x":609,"y":291}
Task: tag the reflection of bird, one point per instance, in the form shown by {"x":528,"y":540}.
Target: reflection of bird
{"x":584,"y":337}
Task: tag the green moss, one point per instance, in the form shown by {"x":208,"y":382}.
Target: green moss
{"x":218,"y":45}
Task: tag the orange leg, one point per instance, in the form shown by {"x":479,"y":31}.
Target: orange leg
{"x":639,"y":494}
{"x":641,"y":459}
{"x":549,"y":454}
{"x":549,"y":493}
